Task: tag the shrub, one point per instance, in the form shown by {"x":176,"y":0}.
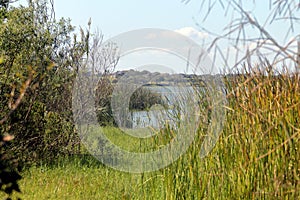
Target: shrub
{"x":141,"y":99}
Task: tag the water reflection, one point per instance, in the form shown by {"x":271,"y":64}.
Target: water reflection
{"x":159,"y":115}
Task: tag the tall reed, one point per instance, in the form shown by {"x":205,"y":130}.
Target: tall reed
{"x":257,"y":155}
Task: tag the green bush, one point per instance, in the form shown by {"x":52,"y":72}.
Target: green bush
{"x":141,"y":99}
{"x":38,"y":65}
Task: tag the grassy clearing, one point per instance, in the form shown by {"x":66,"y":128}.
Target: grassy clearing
{"x":85,"y":178}
{"x":256,"y":157}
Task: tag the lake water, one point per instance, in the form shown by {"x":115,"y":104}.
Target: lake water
{"x":157,"y":116}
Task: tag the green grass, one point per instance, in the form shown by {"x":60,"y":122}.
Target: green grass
{"x":85,"y":178}
{"x":256,"y":157}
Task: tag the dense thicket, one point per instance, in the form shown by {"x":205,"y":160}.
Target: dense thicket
{"x":38,"y":60}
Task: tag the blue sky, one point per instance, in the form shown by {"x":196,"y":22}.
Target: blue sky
{"x":113,"y":17}
{"x":116,"y":16}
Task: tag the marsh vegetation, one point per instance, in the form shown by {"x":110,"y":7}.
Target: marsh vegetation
{"x":42,"y":157}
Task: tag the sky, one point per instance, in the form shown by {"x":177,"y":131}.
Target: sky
{"x":115,"y":17}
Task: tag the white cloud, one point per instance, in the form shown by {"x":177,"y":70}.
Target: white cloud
{"x":193,"y":33}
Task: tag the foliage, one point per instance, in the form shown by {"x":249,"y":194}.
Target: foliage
{"x":256,"y":157}
{"x":142,"y":99}
{"x":104,"y":93}
{"x":38,"y":61}
{"x":35,"y":45}
{"x":9,"y":173}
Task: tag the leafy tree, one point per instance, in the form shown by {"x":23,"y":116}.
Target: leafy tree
{"x":39,"y":58}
